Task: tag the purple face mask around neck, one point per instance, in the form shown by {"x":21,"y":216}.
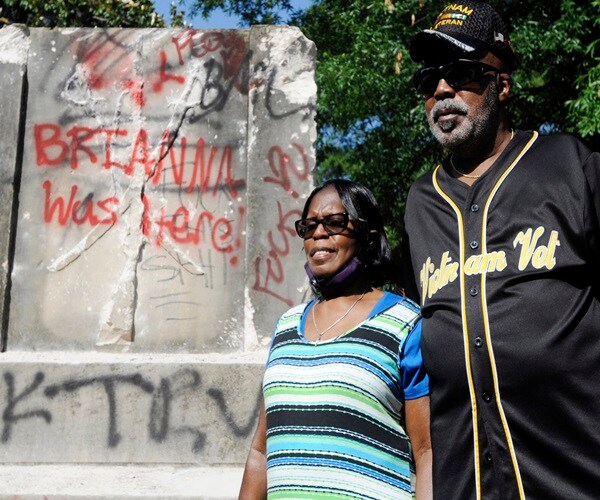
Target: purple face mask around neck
{"x":332,"y":286}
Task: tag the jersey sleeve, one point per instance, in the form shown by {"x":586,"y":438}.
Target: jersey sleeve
{"x":408,"y":282}
{"x":415,"y":381}
{"x":591,"y":169}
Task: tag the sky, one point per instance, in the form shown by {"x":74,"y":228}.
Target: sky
{"x":218,"y":19}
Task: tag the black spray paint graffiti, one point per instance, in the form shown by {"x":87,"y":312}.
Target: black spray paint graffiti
{"x":164,"y":397}
{"x":109,"y":383}
{"x":9,"y":417}
{"x":162,"y":401}
{"x":270,"y":102}
{"x":113,"y":61}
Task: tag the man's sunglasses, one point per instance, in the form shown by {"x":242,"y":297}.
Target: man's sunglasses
{"x":456,"y":73}
{"x":333,"y":224}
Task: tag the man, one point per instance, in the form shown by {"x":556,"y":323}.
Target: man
{"x":503,"y":251}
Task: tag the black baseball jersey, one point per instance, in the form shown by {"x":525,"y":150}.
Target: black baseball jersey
{"x":507,"y":274}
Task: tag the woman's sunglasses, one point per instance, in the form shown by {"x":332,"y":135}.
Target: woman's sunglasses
{"x":456,"y":73}
{"x":333,"y":224}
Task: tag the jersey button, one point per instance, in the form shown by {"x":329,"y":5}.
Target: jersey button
{"x":473,"y":291}
{"x":478,"y":342}
{"x":474,"y":207}
{"x":486,"y":398}
{"x":488,"y":458}
{"x":474,"y":244}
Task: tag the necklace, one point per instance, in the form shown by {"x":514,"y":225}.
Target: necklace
{"x":320,"y":335}
{"x":469,"y":176}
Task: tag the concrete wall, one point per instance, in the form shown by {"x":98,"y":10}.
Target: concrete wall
{"x":149,"y":183}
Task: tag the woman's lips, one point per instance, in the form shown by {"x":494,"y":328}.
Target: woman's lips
{"x":321,"y":254}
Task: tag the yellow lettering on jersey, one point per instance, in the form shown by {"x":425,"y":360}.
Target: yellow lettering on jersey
{"x":473,"y":265}
{"x":538,"y":255}
{"x":433,"y":279}
{"x":485,"y":263}
{"x":423,"y":276}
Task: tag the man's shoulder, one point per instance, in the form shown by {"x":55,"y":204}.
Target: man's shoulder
{"x":420,"y":190}
{"x":564,"y":144}
{"x":424,"y":179}
{"x":422,"y":183}
{"x":563,"y":155}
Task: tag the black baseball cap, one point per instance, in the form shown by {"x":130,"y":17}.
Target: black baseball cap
{"x":462,"y":29}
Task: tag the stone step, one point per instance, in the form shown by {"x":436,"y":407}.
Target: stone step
{"x":109,"y":408}
{"x":139,"y":482}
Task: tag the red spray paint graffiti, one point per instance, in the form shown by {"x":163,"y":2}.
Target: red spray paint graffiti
{"x":282,"y":164}
{"x":269,"y":271}
{"x":224,"y":235}
{"x":78,"y":211}
{"x":182,"y":166}
{"x":232,"y":48}
{"x":212,"y":167}
{"x":185,"y":166}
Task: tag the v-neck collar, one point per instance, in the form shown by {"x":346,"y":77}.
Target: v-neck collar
{"x":386,"y":301}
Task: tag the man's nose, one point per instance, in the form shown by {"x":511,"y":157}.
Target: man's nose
{"x":443,"y":90}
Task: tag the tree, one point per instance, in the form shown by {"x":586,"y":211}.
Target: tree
{"x":75,"y":13}
{"x":558,"y":80}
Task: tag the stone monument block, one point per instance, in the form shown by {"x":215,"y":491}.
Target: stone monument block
{"x":13,"y":58}
{"x":147,"y":170}
{"x":168,"y":409}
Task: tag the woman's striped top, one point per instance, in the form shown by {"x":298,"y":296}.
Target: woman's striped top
{"x":334,"y":410}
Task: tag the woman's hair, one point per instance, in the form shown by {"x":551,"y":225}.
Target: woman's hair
{"x":374,"y":249}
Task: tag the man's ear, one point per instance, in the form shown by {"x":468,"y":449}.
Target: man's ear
{"x":504,"y":83}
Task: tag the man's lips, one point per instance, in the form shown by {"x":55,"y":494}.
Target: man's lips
{"x":447,"y":114}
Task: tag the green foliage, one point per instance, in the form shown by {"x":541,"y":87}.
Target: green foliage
{"x":75,"y":13}
{"x":557,"y":82}
{"x":583,"y":113}
{"x":177,"y":16}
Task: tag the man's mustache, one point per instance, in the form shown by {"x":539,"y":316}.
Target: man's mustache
{"x":447,"y":106}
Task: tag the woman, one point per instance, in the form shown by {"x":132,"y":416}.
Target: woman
{"x":344,"y":370}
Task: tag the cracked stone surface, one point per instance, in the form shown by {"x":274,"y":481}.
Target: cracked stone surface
{"x":161,"y":175}
{"x":12,"y":69}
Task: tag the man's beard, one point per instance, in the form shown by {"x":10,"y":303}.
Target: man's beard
{"x":479,"y":124}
